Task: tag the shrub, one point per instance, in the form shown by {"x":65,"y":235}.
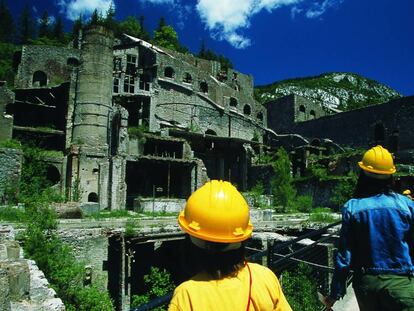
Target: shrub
{"x":344,"y":189}
{"x":10,"y":143}
{"x":57,"y":261}
{"x":282,"y":182}
{"x":303,"y":203}
{"x":300,"y":289}
{"x":158,"y":283}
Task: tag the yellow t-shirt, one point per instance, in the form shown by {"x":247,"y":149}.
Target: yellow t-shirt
{"x":231,"y":294}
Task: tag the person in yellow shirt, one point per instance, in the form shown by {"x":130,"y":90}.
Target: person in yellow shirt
{"x":216,"y":219}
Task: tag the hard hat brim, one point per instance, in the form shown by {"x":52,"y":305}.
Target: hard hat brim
{"x":213,"y":238}
{"x":372,"y":170}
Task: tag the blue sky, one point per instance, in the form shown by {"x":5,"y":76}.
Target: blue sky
{"x":278,"y":39}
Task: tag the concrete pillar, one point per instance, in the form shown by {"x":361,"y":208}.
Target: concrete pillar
{"x":94,"y":89}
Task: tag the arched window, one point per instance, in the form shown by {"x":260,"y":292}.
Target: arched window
{"x":233,"y":102}
{"x":260,"y":116}
{"x":302,"y":113}
{"x":72,"y":61}
{"x":203,"y":87}
{"x":312,"y":114}
{"x":247,"y":110}
{"x":169,"y":72}
{"x":211,"y":132}
{"x":187,"y":78}
{"x":39,"y":78}
{"x":52,"y":174}
{"x":92,"y":197}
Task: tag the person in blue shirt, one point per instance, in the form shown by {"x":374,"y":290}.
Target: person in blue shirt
{"x":376,"y":240}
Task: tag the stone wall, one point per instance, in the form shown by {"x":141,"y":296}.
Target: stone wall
{"x":90,"y":247}
{"x":388,"y":124}
{"x":23,"y":286}
{"x":6,"y":120}
{"x":56,"y":62}
{"x":285,"y":112}
{"x":10,"y":170}
{"x":159,"y":205}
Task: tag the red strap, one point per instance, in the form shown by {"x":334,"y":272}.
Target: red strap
{"x":250,"y":287}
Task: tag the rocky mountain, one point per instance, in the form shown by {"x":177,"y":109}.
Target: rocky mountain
{"x":334,"y":91}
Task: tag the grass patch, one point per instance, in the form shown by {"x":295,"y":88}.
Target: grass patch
{"x":12,"y":214}
{"x":322,"y":214}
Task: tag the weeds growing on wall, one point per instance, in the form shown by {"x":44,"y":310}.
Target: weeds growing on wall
{"x":41,"y":243}
{"x":56,"y":260}
{"x":158,"y":283}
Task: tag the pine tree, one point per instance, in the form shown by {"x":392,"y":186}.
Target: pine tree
{"x":58,"y":33}
{"x":26,"y":26}
{"x":6,"y":24}
{"x":44,"y":28}
{"x":95,"y":18}
{"x":77,"y":26}
{"x":110,"y":21}
{"x":144,"y":33}
{"x":161,"y":23}
{"x":202,"y":52}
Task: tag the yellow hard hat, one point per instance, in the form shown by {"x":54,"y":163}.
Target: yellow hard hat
{"x":217,"y":212}
{"x":378,"y":160}
{"x":407,"y":192}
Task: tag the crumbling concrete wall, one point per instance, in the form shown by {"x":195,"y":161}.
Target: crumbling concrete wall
{"x":56,"y":63}
{"x":6,"y":120}
{"x":388,"y":124}
{"x":23,"y":286}
{"x":90,"y":247}
{"x":10,"y":171}
{"x":285,"y":112}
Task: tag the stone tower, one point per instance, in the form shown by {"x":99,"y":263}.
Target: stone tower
{"x":94,"y":90}
{"x":89,"y":163}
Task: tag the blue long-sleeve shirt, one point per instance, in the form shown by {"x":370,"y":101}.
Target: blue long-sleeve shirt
{"x":377,"y":236}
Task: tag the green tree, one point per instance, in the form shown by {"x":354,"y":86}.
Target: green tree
{"x":131,"y":26}
{"x":167,"y":37}
{"x":57,"y":33}
{"x":6,"y":23}
{"x":96,"y":18}
{"x":343,"y":191}
{"x":77,"y":26}
{"x":6,"y":62}
{"x":109,"y":20}
{"x":144,"y":33}
{"x":157,"y":284}
{"x":26,"y":26}
{"x":202,"y":52}
{"x":44,"y":25}
{"x":211,"y":55}
{"x":282,"y":182}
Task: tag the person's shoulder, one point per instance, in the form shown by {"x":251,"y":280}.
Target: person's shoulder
{"x":257,"y":268}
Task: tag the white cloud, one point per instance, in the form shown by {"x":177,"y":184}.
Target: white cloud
{"x":50,"y":20}
{"x":226,"y":19}
{"x":317,"y":9}
{"x":74,"y":8}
